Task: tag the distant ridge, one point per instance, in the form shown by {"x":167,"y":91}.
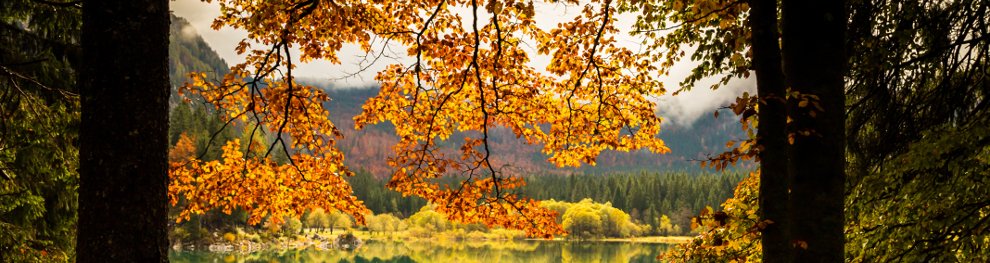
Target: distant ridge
{"x":368,"y":149}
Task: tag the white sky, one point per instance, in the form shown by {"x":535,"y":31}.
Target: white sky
{"x":682,"y":109}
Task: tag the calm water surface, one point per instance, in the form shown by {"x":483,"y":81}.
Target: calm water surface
{"x":419,"y":251}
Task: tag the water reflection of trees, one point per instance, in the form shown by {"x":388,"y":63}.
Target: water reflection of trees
{"x":449,"y":251}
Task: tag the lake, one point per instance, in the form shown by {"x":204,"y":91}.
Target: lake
{"x":463,"y":252}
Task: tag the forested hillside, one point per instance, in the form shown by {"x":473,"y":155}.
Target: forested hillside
{"x":370,"y":147}
{"x":189,"y":53}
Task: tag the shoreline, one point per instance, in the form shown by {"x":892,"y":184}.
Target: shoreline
{"x":325,"y":241}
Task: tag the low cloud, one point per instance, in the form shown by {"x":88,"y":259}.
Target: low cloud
{"x":701,"y":101}
{"x":188,"y":33}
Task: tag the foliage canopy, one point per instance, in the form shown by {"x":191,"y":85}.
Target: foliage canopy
{"x":469,"y":75}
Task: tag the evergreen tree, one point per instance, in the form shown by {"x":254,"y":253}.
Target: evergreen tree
{"x":39,"y":120}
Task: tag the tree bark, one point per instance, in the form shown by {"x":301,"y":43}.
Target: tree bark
{"x":771,"y":130}
{"x":124,"y":88}
{"x":814,"y":64}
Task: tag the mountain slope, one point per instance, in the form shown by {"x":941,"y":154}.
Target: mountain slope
{"x":188,"y":52}
{"x":368,"y":149}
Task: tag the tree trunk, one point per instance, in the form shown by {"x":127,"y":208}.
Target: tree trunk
{"x":124,"y":88}
{"x":814,"y":63}
{"x":771,"y":134}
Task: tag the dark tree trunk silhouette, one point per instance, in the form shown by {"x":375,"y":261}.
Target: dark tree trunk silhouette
{"x":771,"y":134}
{"x":813,"y":36}
{"x":124,"y":88}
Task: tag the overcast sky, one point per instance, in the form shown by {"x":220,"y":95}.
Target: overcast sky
{"x":682,"y":109}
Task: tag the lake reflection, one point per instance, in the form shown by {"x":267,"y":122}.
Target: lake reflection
{"x":463,"y":252}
